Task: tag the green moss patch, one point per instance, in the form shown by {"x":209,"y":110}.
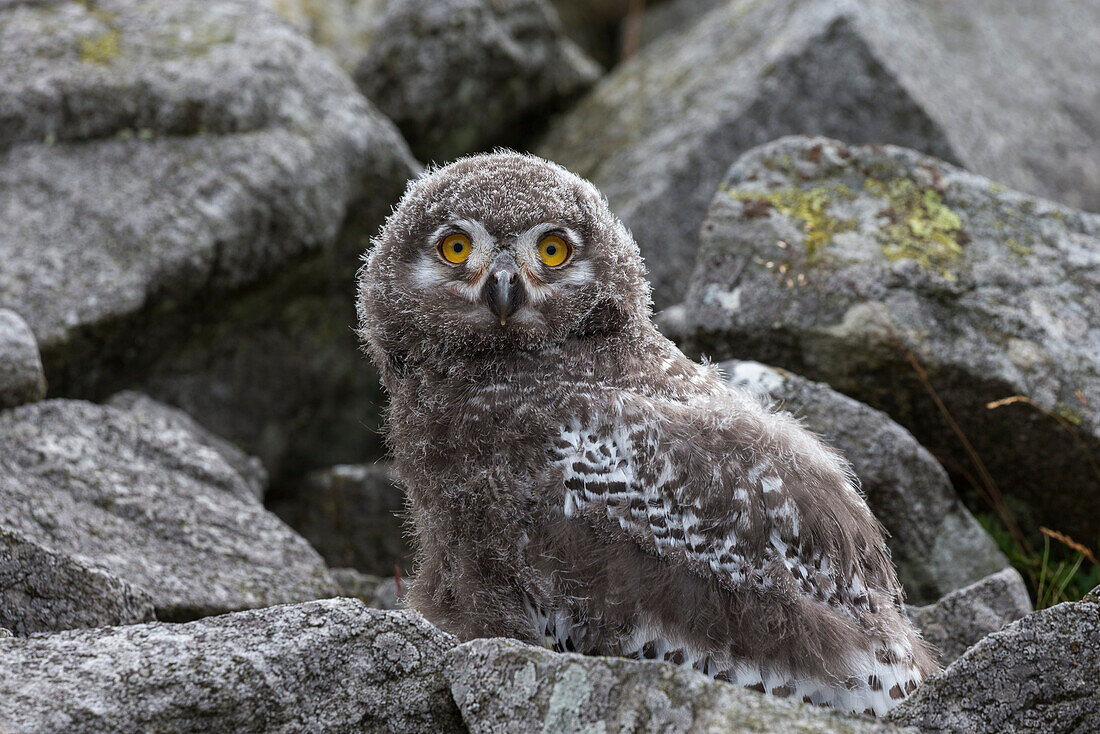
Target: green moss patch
{"x":811,"y":206}
{"x":100,"y":49}
{"x":922,"y":228}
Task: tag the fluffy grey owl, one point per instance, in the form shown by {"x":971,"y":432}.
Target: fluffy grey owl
{"x":577,"y":482}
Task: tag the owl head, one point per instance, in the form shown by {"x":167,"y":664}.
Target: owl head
{"x":495,"y":253}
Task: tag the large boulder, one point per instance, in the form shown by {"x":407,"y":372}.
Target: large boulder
{"x":949,"y":302}
{"x":22,"y":379}
{"x":157,"y":161}
{"x":43,"y":591}
{"x":657,"y":134}
{"x":1041,"y":673}
{"x":330,"y":665}
{"x":352,"y":515}
{"x":459,"y":76}
{"x":936,"y":543}
{"x":151,"y":505}
{"x":158,"y":417}
{"x":959,"y":620}
{"x":505,"y":686}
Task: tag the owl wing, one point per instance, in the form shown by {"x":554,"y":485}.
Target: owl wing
{"x":730,"y":491}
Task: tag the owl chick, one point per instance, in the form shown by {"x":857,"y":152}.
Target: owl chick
{"x":575,"y":481}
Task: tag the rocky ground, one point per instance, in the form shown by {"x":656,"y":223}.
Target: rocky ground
{"x":198,"y":531}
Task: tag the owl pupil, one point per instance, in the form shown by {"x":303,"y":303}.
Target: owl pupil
{"x":458,"y":247}
{"x":551,"y":250}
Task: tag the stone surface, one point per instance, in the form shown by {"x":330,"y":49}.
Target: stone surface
{"x":1041,"y":673}
{"x":161,"y":417}
{"x":596,"y":26}
{"x":328,"y":665}
{"x":374,"y":591}
{"x":657,"y":134}
{"x":344,"y":27}
{"x":936,"y":543}
{"x":152,"y":506}
{"x":459,"y":76}
{"x":157,"y":161}
{"x":352,"y":515}
{"x":849,"y":265}
{"x":504,"y":686}
{"x":22,"y":379}
{"x":43,"y":591}
{"x":960,"y":619}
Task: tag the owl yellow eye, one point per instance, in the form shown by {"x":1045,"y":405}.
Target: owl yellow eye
{"x":553,"y":250}
{"x":455,"y":248}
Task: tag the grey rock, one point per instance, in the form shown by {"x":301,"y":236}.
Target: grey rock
{"x":5,"y":632}
{"x":352,"y":515}
{"x":1041,"y":673}
{"x":851,"y":265}
{"x":936,"y":543}
{"x":960,"y":619}
{"x":22,"y":379}
{"x":374,"y":591}
{"x":344,"y":27}
{"x":657,"y":134}
{"x":157,"y":162}
{"x":329,"y":665}
{"x":459,"y":76}
{"x":159,"y":417}
{"x":43,"y":591}
{"x":151,"y":505}
{"x":504,"y":686}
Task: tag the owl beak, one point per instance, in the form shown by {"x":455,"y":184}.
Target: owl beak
{"x":503,"y":293}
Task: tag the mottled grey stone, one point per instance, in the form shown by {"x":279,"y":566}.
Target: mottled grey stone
{"x":854,"y":265}
{"x":504,"y":686}
{"x":376,"y":592}
{"x":157,"y":162}
{"x":956,"y":622}
{"x":344,"y":27}
{"x":43,"y":591}
{"x":658,"y":133}
{"x":329,"y":665}
{"x":1041,"y":673}
{"x":22,"y":379}
{"x":152,"y":506}
{"x":459,"y":76}
{"x":936,"y":543}
{"x":159,"y":417}
{"x":352,"y":515}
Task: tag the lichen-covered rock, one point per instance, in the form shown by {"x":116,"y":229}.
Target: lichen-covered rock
{"x":22,"y":379}
{"x":956,"y":622}
{"x":854,"y":265}
{"x":158,"y":158}
{"x":159,"y":417}
{"x":344,"y":27}
{"x":152,"y":506}
{"x":351,"y":514}
{"x":657,"y":134}
{"x":1041,"y":673}
{"x":43,"y":591}
{"x":330,"y":666}
{"x":505,"y":686}
{"x":376,"y":592}
{"x":461,"y":75}
{"x":936,"y":543}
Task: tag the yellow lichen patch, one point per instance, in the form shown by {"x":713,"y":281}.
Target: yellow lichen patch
{"x":1070,"y":414}
{"x":921,"y":227}
{"x":809,"y":205}
{"x":99,"y":49}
